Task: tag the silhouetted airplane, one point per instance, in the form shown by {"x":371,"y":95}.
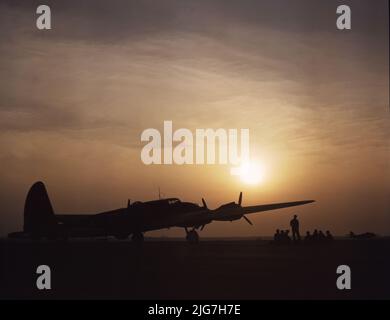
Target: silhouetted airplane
{"x":366,"y":235}
{"x":137,"y":218}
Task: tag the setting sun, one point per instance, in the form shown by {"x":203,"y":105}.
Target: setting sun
{"x":250,"y":172}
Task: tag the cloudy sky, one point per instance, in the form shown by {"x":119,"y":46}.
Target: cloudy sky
{"x":75,"y":99}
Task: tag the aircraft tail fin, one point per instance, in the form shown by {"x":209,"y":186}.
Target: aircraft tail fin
{"x":38,"y":212}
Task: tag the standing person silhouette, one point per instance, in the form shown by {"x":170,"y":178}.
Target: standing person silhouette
{"x":294,"y":223}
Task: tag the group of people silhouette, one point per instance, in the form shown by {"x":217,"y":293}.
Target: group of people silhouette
{"x":283,"y":237}
{"x":318,"y":236}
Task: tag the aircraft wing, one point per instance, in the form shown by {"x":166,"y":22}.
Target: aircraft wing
{"x":230,"y":212}
{"x":273,"y":206}
{"x":235,"y":211}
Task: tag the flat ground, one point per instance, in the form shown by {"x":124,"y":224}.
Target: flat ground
{"x":211,"y":270}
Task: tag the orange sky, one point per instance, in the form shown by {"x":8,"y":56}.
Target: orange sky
{"x":74,"y":101}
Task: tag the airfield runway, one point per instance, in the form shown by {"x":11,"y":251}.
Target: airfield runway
{"x":210,"y":270}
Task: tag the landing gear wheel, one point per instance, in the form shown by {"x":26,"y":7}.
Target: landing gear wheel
{"x":137,"y":237}
{"x":192,"y":237}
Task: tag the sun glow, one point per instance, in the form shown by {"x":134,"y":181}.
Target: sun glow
{"x":251,"y":172}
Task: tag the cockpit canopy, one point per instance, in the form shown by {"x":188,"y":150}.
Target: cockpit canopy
{"x":158,"y":203}
{"x":173,"y":200}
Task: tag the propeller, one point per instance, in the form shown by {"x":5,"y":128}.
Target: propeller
{"x":239,"y":203}
{"x":250,"y":222}
{"x":204,"y":204}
